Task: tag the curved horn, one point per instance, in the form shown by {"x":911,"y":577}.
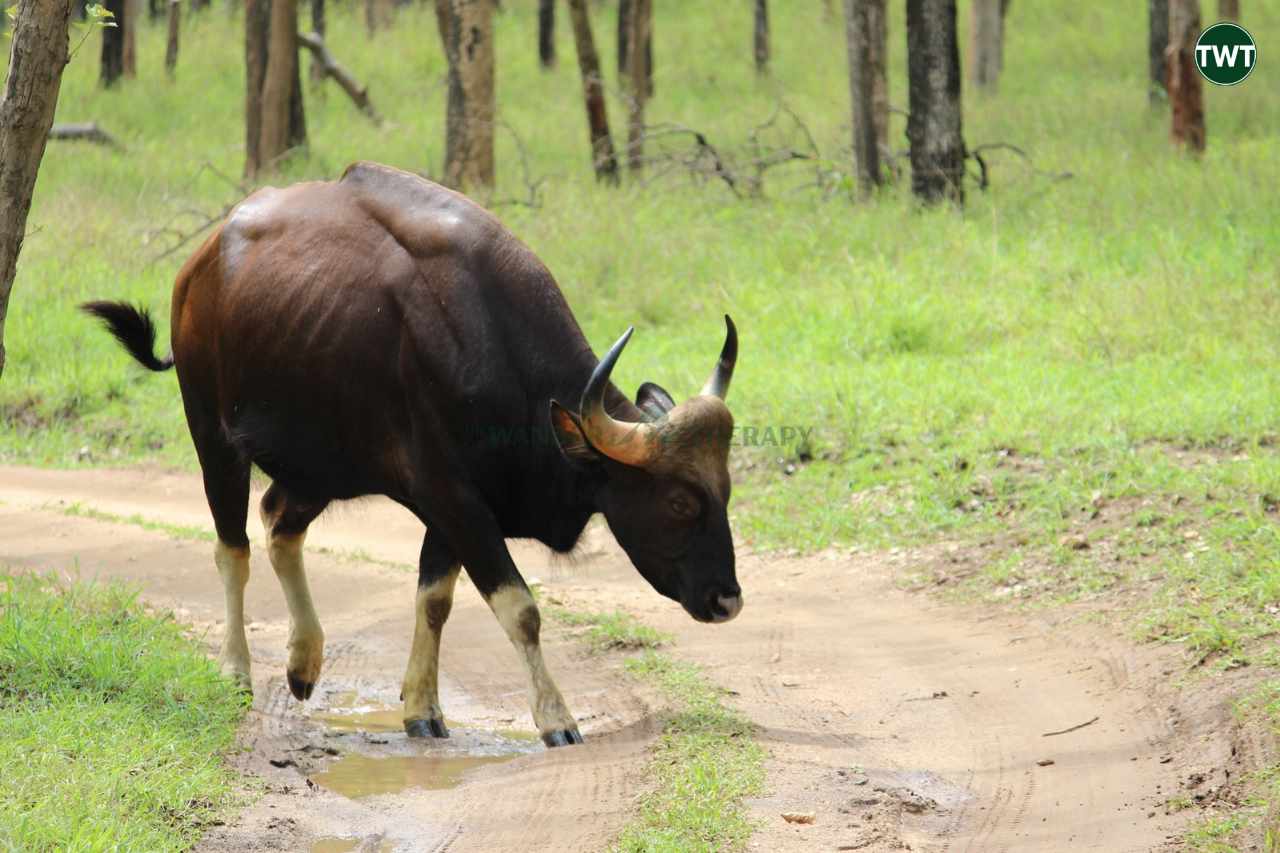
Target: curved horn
{"x":628,"y":443}
{"x":718,"y":384}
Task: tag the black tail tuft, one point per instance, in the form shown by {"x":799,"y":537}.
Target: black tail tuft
{"x":134,"y":330}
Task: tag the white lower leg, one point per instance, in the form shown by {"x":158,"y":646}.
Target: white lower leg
{"x":306,"y":638}
{"x":421,"y":679}
{"x":233,"y":568}
{"x":518,"y":615}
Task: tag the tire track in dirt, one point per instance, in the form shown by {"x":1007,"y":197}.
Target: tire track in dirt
{"x":897,"y":720}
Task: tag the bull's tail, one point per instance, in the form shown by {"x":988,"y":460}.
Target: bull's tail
{"x":134,"y":330}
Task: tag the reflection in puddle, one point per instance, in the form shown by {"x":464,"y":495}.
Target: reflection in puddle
{"x":348,"y":714}
{"x":357,"y":776}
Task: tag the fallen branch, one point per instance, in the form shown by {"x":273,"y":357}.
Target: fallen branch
{"x":358,"y":93}
{"x":983,"y":182}
{"x":84,"y":132}
{"x":1076,"y":727}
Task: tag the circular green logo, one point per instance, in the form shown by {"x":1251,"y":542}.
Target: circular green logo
{"x":1226,"y":54}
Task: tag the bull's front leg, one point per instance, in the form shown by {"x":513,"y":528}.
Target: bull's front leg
{"x":437,"y":574}
{"x":477,"y":540}
{"x":514,"y":606}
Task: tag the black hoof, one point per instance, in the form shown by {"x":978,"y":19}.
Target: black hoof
{"x":300,"y":689}
{"x":561,"y":737}
{"x":425,"y":728}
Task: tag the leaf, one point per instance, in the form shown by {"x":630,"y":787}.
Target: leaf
{"x":98,"y":14}
{"x":12,"y":12}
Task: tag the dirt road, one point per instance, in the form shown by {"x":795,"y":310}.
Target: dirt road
{"x":900,"y":722}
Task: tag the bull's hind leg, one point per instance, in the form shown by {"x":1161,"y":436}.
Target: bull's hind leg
{"x":437,"y":574}
{"x":286,"y":519}
{"x":226,"y":486}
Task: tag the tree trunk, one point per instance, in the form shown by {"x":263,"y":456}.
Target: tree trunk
{"x":986,"y":33}
{"x":761,"y":41}
{"x":171,"y":46}
{"x":379,"y":15}
{"x":129,"y":30}
{"x":318,"y":27}
{"x":466,"y":28}
{"x":1186,"y":92}
{"x":864,"y":21}
{"x":1229,"y":10}
{"x":879,"y":34}
{"x":637,"y":73}
{"x":625,"y":14}
{"x":275,"y":121}
{"x":37,"y":55}
{"x":933,"y":82}
{"x":1157,"y":44}
{"x":603,"y":158}
{"x":113,"y":44}
{"x":547,"y":33}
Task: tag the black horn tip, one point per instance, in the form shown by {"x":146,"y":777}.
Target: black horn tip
{"x":730,"y":351}
{"x":600,"y":376}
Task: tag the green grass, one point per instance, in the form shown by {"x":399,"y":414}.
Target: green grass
{"x":112,"y":723}
{"x":706,"y":762}
{"x":173,"y":531}
{"x":608,"y":631}
{"x":992,"y":374}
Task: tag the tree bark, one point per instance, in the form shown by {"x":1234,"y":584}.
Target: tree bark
{"x":761,"y":36}
{"x":318,"y":24}
{"x":112,"y":65}
{"x":171,"y":45}
{"x":1157,"y":44}
{"x":933,"y":80}
{"x":1186,"y":92}
{"x":625,"y":14}
{"x":37,"y":55}
{"x":275,"y":121}
{"x":879,"y":35}
{"x":864,"y":21}
{"x":986,"y":34}
{"x":129,"y":28}
{"x":636,"y":75}
{"x":1229,"y":10}
{"x":547,"y":33}
{"x":603,"y":159}
{"x":466,"y":28}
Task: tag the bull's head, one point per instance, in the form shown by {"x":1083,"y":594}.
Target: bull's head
{"x":665,"y":481}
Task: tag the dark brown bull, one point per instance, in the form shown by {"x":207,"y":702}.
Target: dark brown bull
{"x":384,"y":335}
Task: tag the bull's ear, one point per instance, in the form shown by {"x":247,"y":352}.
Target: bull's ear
{"x":569,"y":436}
{"x":654,"y":401}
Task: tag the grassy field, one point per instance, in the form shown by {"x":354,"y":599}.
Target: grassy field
{"x":111,"y":723}
{"x":1080,"y":370}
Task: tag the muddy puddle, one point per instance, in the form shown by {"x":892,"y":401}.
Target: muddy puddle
{"x":348,"y":712}
{"x":400,"y":763}
{"x":357,"y":776}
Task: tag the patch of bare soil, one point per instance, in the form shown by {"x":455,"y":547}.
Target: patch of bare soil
{"x":896,"y":721}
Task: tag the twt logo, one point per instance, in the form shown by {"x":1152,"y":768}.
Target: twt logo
{"x":1225,"y":54}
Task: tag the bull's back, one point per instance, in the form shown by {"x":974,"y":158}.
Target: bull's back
{"x":318,"y":314}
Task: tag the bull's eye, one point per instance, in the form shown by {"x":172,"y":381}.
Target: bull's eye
{"x":682,"y":507}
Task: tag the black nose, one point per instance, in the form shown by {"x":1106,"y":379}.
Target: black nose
{"x":724,"y":603}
